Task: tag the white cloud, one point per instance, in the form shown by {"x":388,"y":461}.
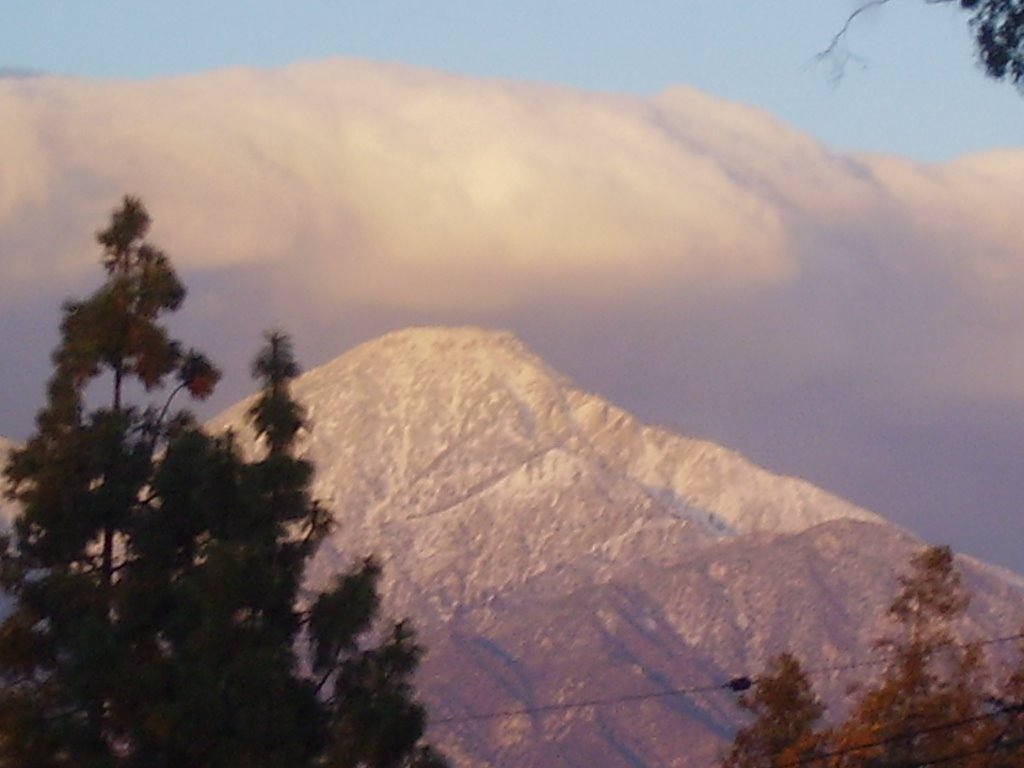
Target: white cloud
{"x":392,"y":185}
{"x":696,"y":236}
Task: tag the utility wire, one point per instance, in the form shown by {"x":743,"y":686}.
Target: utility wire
{"x":991,"y":749}
{"x":905,"y":735}
{"x":736,"y":685}
{"x":887,"y":657}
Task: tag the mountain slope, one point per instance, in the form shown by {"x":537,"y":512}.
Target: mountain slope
{"x":554,"y":550}
{"x":422,"y":438}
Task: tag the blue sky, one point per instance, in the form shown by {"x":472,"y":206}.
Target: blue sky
{"x":913,"y":88}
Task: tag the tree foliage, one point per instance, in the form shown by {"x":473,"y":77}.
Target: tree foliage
{"x":935,"y":703}
{"x":156,"y":572}
{"x":930,"y":682}
{"x":999,"y":35}
{"x":997,"y":26}
{"x":786,"y":720}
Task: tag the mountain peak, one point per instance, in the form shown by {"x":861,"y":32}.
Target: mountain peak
{"x":516,"y":514}
{"x":435,"y":336}
{"x":442,"y":351}
{"x":551,"y":548}
{"x":429,"y":441}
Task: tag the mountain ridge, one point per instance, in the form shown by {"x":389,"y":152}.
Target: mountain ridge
{"x":398,"y":358}
{"x":552,"y":551}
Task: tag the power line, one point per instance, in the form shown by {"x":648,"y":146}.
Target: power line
{"x":990,"y":749}
{"x":735,"y":685}
{"x":905,"y":735}
{"x":885,"y":658}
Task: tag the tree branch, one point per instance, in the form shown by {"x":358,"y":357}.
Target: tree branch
{"x":837,"y":39}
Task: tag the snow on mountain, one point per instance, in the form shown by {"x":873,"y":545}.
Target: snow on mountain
{"x":428,"y":401}
{"x":428,"y":442}
{"x":553,"y":549}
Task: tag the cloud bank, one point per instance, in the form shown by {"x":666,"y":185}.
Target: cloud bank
{"x":854,"y":319}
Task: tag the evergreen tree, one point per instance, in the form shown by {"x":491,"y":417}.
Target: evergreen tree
{"x":934,"y":704}
{"x":928,"y":704}
{"x":786,"y":724}
{"x":156,"y":572}
{"x":997,"y":26}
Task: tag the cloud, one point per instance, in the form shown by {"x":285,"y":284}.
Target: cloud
{"x":19,"y":73}
{"x":694,"y":259}
{"x":390,"y":181}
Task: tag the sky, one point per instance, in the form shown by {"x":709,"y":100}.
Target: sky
{"x":911,"y":85}
{"x":674,"y":203}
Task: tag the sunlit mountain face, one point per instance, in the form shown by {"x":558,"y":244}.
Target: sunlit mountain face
{"x":587,"y":584}
{"x":553,"y":550}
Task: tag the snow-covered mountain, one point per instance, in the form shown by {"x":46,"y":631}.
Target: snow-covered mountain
{"x":554,"y":550}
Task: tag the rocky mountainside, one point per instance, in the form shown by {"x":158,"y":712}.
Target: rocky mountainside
{"x":555,"y":551}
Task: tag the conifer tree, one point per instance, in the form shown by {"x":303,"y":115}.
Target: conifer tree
{"x":997,"y":27}
{"x":786,"y":725}
{"x":934,"y":704}
{"x":156,"y":572}
{"x":927,"y":705}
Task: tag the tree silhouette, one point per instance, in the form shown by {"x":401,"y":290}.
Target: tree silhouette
{"x":935,"y":703}
{"x":786,"y":724}
{"x":931,"y":681}
{"x":156,"y":572}
{"x":997,"y":25}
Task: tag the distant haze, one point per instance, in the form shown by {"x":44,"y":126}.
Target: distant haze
{"x":855,"y":320}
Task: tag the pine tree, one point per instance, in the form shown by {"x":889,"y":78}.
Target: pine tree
{"x":786,"y":725}
{"x":928,"y":705}
{"x":156,"y":572}
{"x":934,"y":704}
